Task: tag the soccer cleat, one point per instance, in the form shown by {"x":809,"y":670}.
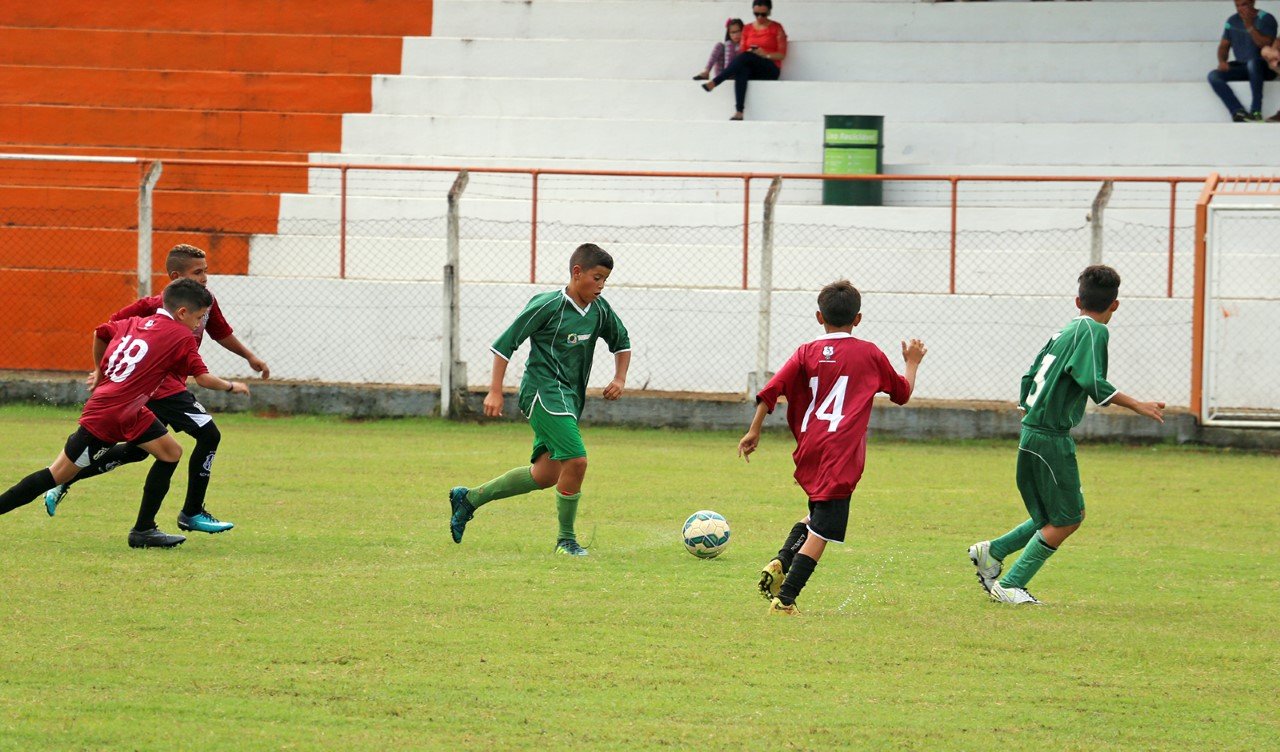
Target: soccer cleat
{"x":988,"y":566}
{"x":461,"y":512}
{"x":570,"y":547}
{"x":1015,"y":595}
{"x":53,"y":497}
{"x":771,"y":578}
{"x":778,"y":608}
{"x":203,"y":523}
{"x":154,"y":538}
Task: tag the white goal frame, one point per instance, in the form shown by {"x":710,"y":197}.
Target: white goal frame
{"x":1206,"y":323}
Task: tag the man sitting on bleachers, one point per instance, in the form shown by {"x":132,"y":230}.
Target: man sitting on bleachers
{"x":1247,"y":31}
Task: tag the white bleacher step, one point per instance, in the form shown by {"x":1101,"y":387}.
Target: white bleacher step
{"x":962,"y":61}
{"x":1118,"y":144}
{"x":837,"y":21}
{"x":1131,"y":102}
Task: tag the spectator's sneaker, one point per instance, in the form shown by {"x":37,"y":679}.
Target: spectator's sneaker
{"x":777,"y":608}
{"x":1274,"y":118}
{"x":203,"y":523}
{"x":1239,"y":116}
{"x":1256,"y":117}
{"x":153,"y":538}
{"x":460,"y":513}
{"x":570,"y":547}
{"x":771,"y":578}
{"x":1015,"y":595}
{"x":988,"y":566}
{"x":53,"y":497}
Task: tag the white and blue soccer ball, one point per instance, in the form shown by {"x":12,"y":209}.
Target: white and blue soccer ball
{"x":706,"y":534}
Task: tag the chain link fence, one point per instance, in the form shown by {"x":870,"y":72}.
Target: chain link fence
{"x":336,"y":273}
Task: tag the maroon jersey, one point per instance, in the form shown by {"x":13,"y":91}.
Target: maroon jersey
{"x":142,"y":353}
{"x":829,"y":384}
{"x":213,"y":322}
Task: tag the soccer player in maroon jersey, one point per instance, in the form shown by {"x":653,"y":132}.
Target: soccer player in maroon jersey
{"x":175,"y":405}
{"x":133,"y":357}
{"x":829,"y":385}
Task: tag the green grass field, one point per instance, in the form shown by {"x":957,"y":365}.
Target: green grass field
{"x":339,"y":615}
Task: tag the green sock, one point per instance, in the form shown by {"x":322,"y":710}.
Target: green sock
{"x":1033,"y":557}
{"x":513,"y":482}
{"x":567,"y":511}
{"x":1014,"y":540}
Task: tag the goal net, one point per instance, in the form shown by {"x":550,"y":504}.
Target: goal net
{"x":1238,"y":310}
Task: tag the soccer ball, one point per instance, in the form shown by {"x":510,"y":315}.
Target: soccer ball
{"x":706,"y":534}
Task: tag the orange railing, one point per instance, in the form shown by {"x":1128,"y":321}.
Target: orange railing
{"x":952,"y":181}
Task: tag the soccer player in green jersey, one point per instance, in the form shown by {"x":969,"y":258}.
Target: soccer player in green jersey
{"x":1070,"y":369}
{"x":562,"y":327}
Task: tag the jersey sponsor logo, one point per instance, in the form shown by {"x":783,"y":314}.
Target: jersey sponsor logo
{"x":148,"y":324}
{"x":574,"y":338}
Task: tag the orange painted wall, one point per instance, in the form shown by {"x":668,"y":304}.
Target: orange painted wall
{"x":184,"y":79}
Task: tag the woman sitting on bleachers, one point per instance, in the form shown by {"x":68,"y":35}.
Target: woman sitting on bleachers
{"x":764,"y":46}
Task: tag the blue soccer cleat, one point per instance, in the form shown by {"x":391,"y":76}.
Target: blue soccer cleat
{"x":570,"y":547}
{"x":461,"y":512}
{"x":53,"y":497}
{"x":203,"y":523}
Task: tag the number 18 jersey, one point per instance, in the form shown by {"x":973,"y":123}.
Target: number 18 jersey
{"x":141,"y":353}
{"x":830,"y":384}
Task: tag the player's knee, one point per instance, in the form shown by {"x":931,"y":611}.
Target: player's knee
{"x":576,"y":467}
{"x":207,"y":436}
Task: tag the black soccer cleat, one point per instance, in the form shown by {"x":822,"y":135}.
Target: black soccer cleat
{"x":154,"y":538}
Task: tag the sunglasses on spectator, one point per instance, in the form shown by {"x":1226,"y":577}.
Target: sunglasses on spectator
{"x":762,"y":15}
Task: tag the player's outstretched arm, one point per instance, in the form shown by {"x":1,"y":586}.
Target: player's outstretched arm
{"x":751,"y":440}
{"x":493,"y":400}
{"x":1152,"y":410}
{"x":209,"y":381}
{"x":233,"y":344}
{"x":912,"y":353}
{"x":621,"y":364}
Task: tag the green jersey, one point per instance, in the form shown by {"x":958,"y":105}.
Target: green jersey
{"x":1071,"y":368}
{"x":562,"y":341}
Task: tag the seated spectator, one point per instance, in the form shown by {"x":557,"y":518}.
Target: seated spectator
{"x":1246,"y":34}
{"x":724,"y":52}
{"x":1272,"y":56}
{"x":764,"y":47}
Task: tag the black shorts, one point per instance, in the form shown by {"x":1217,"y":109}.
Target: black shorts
{"x":181,"y":411}
{"x":829,"y":519}
{"x":82,"y":447}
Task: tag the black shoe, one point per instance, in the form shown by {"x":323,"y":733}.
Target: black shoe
{"x":154,"y":538}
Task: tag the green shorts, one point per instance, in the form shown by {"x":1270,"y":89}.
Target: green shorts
{"x":1049,"y":479}
{"x":557,"y":434}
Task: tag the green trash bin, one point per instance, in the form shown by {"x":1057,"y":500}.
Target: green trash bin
{"x":852,"y":145}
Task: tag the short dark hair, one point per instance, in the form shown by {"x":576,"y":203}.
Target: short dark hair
{"x":766,"y":3}
{"x":186,"y":293}
{"x":1099,"y":287}
{"x":181,"y":256}
{"x":589,"y":256}
{"x":840,"y":302}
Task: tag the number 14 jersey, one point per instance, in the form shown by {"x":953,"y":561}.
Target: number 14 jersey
{"x":830,"y":384}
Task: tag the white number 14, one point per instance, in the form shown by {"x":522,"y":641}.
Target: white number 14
{"x":831,"y":409}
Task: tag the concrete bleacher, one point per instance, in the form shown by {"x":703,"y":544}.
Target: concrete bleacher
{"x":184,"y":79}
{"x":994,"y":89}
